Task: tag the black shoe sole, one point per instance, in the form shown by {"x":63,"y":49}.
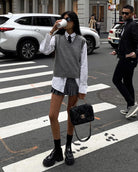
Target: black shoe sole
{"x":69,"y":162}
{"x":51,"y":163}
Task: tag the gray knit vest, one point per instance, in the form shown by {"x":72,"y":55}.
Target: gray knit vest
{"x":68,"y":56}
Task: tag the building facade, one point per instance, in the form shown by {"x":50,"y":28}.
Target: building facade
{"x":84,"y":9}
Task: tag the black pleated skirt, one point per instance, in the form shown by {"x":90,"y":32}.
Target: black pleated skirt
{"x":71,"y":88}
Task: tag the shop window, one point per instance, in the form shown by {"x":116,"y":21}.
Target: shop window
{"x":136,"y":9}
{"x":98,"y":12}
{"x":1,"y":7}
{"x":94,"y":11}
{"x":61,"y":6}
{"x":75,"y":6}
{"x":101,"y":13}
{"x":22,"y":6}
{"x":39,"y":10}
{"x":30,"y":6}
{"x":50,"y":6}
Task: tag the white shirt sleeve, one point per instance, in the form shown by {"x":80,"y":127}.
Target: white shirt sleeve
{"x":47,"y":46}
{"x":83,"y":71}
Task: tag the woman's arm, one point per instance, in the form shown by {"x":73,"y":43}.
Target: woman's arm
{"x":47,"y":46}
{"x":83,"y":72}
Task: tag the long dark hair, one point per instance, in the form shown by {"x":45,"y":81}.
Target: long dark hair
{"x":73,"y":16}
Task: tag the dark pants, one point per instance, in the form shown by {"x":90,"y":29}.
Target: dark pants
{"x":123,"y":79}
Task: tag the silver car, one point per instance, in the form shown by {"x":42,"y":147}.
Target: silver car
{"x":22,"y":33}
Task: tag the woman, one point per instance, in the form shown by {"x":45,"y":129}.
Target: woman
{"x":92,"y":23}
{"x":70,"y":78}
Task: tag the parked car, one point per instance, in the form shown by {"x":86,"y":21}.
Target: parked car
{"x":114,"y":34}
{"x":23,"y":33}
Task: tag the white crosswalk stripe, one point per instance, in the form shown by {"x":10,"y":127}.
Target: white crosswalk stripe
{"x":24,"y":87}
{"x":25,"y":76}
{"x":37,"y":123}
{"x":39,"y":98}
{"x":22,"y":69}
{"x":96,"y":142}
{"x":42,"y":84}
{"x":15,"y":64}
{"x":40,"y":122}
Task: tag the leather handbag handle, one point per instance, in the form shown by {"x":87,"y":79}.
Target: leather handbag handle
{"x":83,"y":140}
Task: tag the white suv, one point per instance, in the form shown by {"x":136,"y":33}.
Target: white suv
{"x":23,"y":33}
{"x":114,"y":34}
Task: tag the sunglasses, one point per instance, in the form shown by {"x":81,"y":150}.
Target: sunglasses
{"x":68,"y":19}
{"x":126,"y":13}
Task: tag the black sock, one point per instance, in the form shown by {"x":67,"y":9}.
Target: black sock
{"x":69,"y":140}
{"x":57,"y":144}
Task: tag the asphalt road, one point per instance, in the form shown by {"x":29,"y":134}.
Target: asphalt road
{"x":25,"y":133}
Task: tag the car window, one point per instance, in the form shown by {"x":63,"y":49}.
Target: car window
{"x":3,"y":19}
{"x":24,"y":21}
{"x":54,"y":19}
{"x":118,"y":26}
{"x":42,"y":21}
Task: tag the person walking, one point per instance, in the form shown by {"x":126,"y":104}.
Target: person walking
{"x":92,"y":23}
{"x":98,"y":26}
{"x":69,"y":78}
{"x":127,"y":53}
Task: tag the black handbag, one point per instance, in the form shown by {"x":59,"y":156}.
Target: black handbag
{"x":82,"y":114}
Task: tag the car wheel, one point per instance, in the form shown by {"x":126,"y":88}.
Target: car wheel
{"x":90,"y":44}
{"x":27,"y":49}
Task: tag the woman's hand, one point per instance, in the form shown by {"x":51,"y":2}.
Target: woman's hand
{"x":81,"y":96}
{"x":54,"y":27}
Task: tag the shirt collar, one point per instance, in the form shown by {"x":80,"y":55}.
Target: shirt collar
{"x":72,"y":35}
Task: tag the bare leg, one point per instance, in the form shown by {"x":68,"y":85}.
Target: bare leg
{"x":55,"y":105}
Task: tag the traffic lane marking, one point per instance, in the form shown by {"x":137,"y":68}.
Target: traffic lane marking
{"x":96,"y":142}
{"x":19,"y":151}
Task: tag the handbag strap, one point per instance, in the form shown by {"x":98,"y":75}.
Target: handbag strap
{"x":83,"y":140}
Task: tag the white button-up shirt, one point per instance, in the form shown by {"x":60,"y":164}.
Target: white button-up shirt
{"x":58,"y":83}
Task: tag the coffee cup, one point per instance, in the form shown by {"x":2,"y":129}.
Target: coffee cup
{"x":62,"y":23}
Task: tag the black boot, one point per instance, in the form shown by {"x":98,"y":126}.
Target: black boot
{"x":56,"y":155}
{"x":69,"y":158}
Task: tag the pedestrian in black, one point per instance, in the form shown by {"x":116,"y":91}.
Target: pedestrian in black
{"x":69,"y":78}
{"x":127,"y":54}
{"x":98,"y":26}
